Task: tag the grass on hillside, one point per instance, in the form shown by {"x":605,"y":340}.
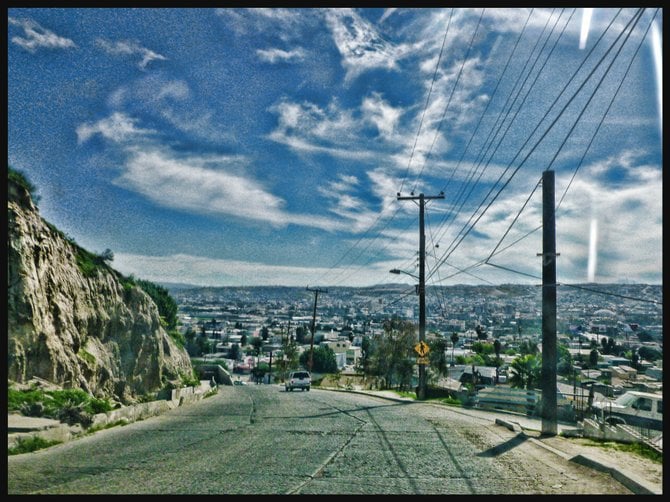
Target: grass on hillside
{"x":639,"y":449}
{"x":30,"y":444}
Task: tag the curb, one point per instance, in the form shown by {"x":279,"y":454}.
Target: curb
{"x":53,"y":430}
{"x":629,"y":483}
{"x":581,"y":459}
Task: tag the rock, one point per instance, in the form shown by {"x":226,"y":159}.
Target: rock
{"x":79,"y":327}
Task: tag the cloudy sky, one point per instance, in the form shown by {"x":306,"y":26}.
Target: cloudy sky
{"x":268,"y":146}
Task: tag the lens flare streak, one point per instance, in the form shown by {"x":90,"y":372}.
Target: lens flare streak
{"x":586,"y":25}
{"x":657,"y":49}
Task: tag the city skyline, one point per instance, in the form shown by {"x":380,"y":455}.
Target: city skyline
{"x":235,"y":147}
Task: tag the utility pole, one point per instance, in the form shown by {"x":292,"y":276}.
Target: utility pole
{"x":549,"y":403}
{"x":421,"y":394}
{"x":311,"y":343}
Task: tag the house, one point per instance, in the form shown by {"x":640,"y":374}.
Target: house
{"x":655,"y":372}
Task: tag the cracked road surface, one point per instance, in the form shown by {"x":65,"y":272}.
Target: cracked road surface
{"x":260,"y":439}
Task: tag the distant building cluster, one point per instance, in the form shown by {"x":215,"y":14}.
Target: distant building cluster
{"x":511,"y":314}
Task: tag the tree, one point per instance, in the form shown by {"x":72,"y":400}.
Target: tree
{"x":593,"y":358}
{"x":300,"y":333}
{"x":605,"y":345}
{"x":525,"y":372}
{"x":643,"y":336}
{"x":257,"y":344}
{"x":454,"y":340}
{"x":496,"y":349}
{"x":366,"y":353}
{"x":528,"y":347}
{"x":564,"y":363}
{"x":107,"y":255}
{"x":481,"y":332}
{"x":393,"y":358}
{"x":22,"y":180}
{"x":649,"y":354}
{"x":437,"y":357}
{"x":265,"y":333}
{"x":323,"y":361}
{"x":289,"y":359}
{"x":202,"y":346}
{"x":234,"y":352}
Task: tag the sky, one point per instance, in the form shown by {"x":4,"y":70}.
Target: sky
{"x":268,"y":146}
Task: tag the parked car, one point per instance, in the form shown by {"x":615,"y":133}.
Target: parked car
{"x":642,"y":409}
{"x":298,"y":380}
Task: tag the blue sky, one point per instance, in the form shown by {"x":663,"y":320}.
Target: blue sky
{"x":267,"y":146}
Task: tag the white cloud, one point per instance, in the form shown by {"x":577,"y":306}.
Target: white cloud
{"x":346,"y":205}
{"x":309,"y":128}
{"x":118,"y":128}
{"x":38,"y":37}
{"x":127,"y":47}
{"x":187,"y":184}
{"x":279,"y":55}
{"x":387,"y":13}
{"x":361,"y":47}
{"x":175,"y":89}
{"x":208,"y":185}
{"x":286,"y":24}
{"x":199,"y":270}
{"x":384,"y":116}
{"x":626,"y":248}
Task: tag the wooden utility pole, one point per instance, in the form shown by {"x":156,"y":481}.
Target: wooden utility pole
{"x":421,"y":394}
{"x":311,"y":343}
{"x":549,"y":402}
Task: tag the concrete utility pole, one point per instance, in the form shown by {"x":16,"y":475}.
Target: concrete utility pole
{"x":549,"y":403}
{"x":421,"y":394}
{"x":311,"y":343}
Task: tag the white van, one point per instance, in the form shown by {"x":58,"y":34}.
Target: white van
{"x":641,"y":409}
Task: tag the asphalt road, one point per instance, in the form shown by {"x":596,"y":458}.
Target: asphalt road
{"x":260,"y":439}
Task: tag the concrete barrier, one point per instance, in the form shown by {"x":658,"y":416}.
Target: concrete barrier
{"x":63,"y":432}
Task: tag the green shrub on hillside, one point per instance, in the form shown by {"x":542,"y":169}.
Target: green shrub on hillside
{"x":50,"y":404}
{"x":20,"y":179}
{"x":29,"y":444}
{"x":167,"y":307}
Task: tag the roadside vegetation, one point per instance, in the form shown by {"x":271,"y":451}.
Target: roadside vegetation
{"x":71,"y":406}
{"x":22,"y":180}
{"x":639,"y":449}
{"x":30,"y":444}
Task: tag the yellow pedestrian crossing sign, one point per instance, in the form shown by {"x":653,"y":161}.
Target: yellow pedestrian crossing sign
{"x":422,"y":348}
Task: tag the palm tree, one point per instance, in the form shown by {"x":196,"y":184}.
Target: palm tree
{"x":525,"y":372}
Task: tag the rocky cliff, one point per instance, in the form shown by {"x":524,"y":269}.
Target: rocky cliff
{"x":76,"y":322}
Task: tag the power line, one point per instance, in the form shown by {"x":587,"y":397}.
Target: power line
{"x":446,"y":107}
{"x":488,"y":101}
{"x":597,"y":87}
{"x":425,"y":107}
{"x":656,"y":302}
{"x":482,"y":154}
{"x":553,"y":123}
{"x":410,"y":159}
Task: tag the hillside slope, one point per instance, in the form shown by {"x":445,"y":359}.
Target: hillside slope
{"x":77,"y":322}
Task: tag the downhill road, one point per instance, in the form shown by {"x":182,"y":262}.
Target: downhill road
{"x":260,"y":439}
